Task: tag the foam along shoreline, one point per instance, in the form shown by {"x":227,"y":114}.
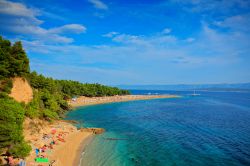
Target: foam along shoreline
{"x":64,"y":152}
{"x":84,"y":101}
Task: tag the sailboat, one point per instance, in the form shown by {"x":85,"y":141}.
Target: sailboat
{"x":195,"y":94}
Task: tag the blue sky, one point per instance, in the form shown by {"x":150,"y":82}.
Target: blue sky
{"x":133,"y":42}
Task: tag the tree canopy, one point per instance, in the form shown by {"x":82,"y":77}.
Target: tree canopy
{"x":13,"y":59}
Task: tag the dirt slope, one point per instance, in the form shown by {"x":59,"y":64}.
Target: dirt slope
{"x":21,"y":91}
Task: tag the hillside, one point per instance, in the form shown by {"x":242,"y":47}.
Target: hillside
{"x":21,"y":90}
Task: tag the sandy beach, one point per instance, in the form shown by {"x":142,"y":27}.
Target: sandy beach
{"x":83,"y":101}
{"x":65,"y":151}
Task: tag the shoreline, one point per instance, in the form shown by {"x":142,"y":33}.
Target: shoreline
{"x":85,"y":142}
{"x":71,"y":151}
{"x":86,"y":101}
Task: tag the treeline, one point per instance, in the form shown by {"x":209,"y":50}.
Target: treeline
{"x":49,"y":101}
{"x":49,"y":97}
{"x":73,"y":88}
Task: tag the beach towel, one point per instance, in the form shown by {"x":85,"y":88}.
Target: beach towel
{"x":42,"y":160}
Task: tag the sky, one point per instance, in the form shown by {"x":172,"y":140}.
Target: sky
{"x":116,"y":42}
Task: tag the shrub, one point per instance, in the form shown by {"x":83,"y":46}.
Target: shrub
{"x":11,"y":120}
{"x":6,"y":85}
{"x":20,"y":150}
{"x":49,"y":115}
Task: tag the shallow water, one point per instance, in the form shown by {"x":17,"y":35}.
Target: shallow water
{"x":211,"y":129}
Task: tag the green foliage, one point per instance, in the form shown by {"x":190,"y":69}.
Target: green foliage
{"x":69,"y":88}
{"x":52,"y":93}
{"x":21,"y":149}
{"x":11,"y":120}
{"x":49,"y":115}
{"x":13,"y":59}
{"x":74,"y":88}
{"x":32,"y":109}
{"x":6,"y":85}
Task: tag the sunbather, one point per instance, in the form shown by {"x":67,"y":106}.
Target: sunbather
{"x":11,"y":161}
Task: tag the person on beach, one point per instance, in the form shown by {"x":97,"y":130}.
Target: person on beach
{"x":37,"y":152}
{"x":11,"y":161}
{"x":22,"y":162}
{"x":44,"y":148}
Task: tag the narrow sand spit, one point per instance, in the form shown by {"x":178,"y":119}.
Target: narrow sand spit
{"x":21,"y":91}
{"x":82,"y":100}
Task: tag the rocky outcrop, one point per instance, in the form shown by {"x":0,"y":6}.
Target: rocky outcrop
{"x":93,"y":130}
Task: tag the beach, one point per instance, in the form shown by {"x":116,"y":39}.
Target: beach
{"x":66,"y":150}
{"x":84,"y":101}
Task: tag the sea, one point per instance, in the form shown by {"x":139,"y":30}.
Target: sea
{"x":212,"y":129}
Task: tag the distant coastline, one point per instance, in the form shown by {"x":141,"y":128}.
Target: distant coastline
{"x":186,"y":87}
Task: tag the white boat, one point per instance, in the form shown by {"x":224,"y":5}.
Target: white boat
{"x":195,"y":94}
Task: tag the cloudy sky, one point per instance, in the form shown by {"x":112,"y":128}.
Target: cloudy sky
{"x":133,"y":42}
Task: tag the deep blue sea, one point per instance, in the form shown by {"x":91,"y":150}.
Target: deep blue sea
{"x":210,"y":129}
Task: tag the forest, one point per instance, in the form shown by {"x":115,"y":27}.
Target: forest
{"x":49,"y":97}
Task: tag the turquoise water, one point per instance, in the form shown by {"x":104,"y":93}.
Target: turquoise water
{"x":211,"y":129}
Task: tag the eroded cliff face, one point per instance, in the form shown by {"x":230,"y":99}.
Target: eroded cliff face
{"x":21,"y":91}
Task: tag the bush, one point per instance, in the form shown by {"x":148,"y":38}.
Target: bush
{"x":11,"y":120}
{"x":6,"y":85}
{"x":49,"y":115}
{"x":32,"y":108}
{"x":20,"y":150}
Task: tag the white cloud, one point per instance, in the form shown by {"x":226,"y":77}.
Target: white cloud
{"x":110,"y":34}
{"x":139,"y":54}
{"x":99,"y":4}
{"x":69,"y":28}
{"x":126,"y":38}
{"x":17,"y":9}
{"x":239,"y":23}
{"x":221,"y":6}
{"x":19,"y":19}
{"x":146,"y":54}
{"x":209,"y":47}
{"x":166,"y":31}
{"x":190,"y":39}
{"x":161,"y":40}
